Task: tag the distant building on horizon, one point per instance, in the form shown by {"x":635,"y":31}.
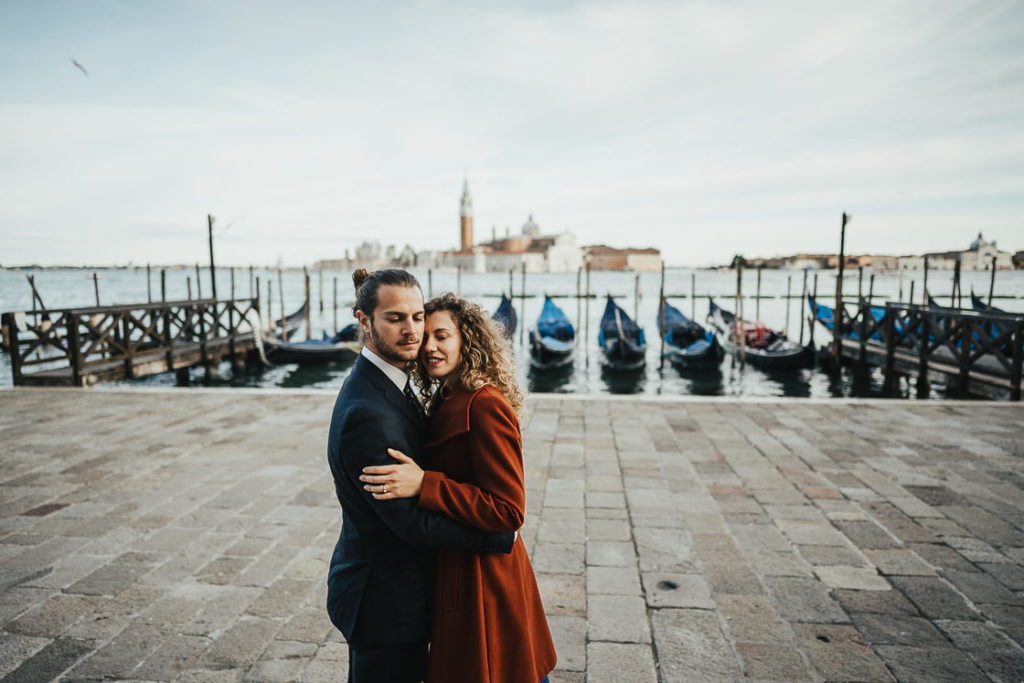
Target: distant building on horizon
{"x":530,"y":249}
{"x":978,"y":256}
{"x":466,"y":219}
{"x":603,"y":257}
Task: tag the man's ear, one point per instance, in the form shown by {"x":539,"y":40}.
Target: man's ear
{"x":364,"y":321}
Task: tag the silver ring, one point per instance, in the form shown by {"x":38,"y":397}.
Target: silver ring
{"x":385,"y":488}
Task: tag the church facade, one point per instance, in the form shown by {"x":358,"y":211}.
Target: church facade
{"x":529,"y":249}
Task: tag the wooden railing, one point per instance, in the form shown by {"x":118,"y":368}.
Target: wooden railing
{"x":67,"y":346}
{"x":963,"y":344}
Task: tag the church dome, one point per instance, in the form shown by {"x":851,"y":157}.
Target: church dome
{"x":979,"y":243}
{"x":530,"y":227}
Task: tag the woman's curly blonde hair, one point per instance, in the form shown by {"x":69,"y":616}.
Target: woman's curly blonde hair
{"x":486,"y":354}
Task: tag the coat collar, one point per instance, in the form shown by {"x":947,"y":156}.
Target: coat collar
{"x":451,"y":417}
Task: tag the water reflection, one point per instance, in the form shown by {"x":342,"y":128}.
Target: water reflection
{"x":623,"y":381}
{"x":319,"y":376}
{"x":552,"y":380}
{"x":790,"y":382}
{"x":695,"y":382}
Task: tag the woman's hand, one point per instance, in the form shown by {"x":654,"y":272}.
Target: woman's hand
{"x":385,"y":482}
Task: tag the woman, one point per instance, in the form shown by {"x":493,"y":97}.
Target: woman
{"x":489,"y":623}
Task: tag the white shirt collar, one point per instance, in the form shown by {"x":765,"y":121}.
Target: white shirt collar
{"x":399,"y":377}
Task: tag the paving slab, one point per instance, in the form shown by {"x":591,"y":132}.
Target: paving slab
{"x":692,"y":647}
{"x":672,"y":539}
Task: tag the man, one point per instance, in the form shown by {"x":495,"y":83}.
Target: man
{"x":379,"y":587}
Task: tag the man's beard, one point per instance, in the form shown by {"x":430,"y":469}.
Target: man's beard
{"x":389,"y":352}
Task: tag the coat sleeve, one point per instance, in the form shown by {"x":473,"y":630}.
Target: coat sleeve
{"x":366,"y":440}
{"x":497,"y":502}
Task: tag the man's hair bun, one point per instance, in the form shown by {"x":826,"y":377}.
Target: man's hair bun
{"x":359,"y":277}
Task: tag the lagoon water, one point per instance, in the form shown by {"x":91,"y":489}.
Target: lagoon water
{"x":70,"y":288}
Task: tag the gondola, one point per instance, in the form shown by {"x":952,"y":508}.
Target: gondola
{"x":993,"y":329}
{"x":826,"y":316}
{"x":688,"y":345}
{"x":764,"y":348}
{"x":292,"y":323}
{"x":552,"y":343}
{"x":621,"y":340}
{"x":978,"y":304}
{"x":348,"y":333}
{"x":312,"y":351}
{"x":506,"y":315}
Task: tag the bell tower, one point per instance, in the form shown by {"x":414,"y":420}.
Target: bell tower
{"x":466,"y":218}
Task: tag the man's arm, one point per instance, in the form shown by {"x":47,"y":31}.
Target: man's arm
{"x":364,"y":441}
{"x":498,"y":499}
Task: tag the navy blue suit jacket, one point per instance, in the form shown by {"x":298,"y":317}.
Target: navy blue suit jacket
{"x":380,"y":583}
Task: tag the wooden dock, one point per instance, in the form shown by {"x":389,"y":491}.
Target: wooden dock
{"x":976,"y":352}
{"x":87,"y":346}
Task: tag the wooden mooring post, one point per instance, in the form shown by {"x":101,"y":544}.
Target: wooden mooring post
{"x":636,"y":298}
{"x":280,"y":296}
{"x":270,"y":306}
{"x":992,"y":281}
{"x":954,"y":299}
{"x":739,"y":345}
{"x":306,"y":304}
{"x":924,"y":294}
{"x":579,"y":304}
{"x":757,"y":296}
{"x":661,"y":316}
{"x":586,"y":326}
{"x":923,"y":385}
{"x":789,"y":302}
{"x":813,"y":316}
{"x":320,"y":288}
{"x":803,"y":307}
{"x":693,"y":296}
{"x":522,"y":304}
{"x":213,"y":266}
{"x":837,"y":323}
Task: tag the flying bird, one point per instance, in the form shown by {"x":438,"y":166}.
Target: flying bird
{"x":80,"y":67}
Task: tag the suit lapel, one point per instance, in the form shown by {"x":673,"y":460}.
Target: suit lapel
{"x":390,"y":391}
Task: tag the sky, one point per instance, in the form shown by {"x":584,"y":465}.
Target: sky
{"x":705,"y":129}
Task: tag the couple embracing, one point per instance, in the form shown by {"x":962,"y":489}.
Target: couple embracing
{"x":429,"y":579}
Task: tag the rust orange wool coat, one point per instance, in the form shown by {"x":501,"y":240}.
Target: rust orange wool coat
{"x":489,"y":623}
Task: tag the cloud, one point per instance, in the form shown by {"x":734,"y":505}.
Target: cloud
{"x":689,"y":126}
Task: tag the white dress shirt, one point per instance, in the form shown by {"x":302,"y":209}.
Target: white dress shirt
{"x":399,"y":377}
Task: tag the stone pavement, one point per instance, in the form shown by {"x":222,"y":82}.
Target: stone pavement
{"x":183,"y":535}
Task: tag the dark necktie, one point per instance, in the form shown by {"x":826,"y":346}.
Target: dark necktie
{"x":413,"y":400}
